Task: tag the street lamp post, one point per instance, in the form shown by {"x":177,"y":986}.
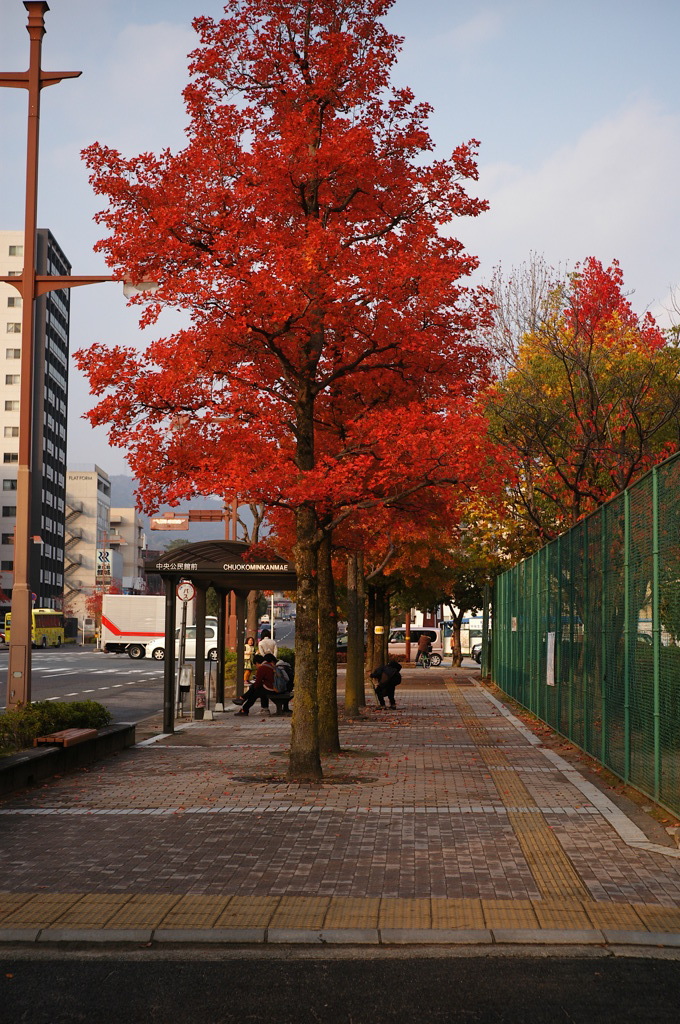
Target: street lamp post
{"x":30,"y":286}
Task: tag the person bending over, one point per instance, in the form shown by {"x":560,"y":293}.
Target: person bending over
{"x":388,"y":677}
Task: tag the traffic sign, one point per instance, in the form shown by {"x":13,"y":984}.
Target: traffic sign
{"x":186,"y":591}
{"x":169,"y":523}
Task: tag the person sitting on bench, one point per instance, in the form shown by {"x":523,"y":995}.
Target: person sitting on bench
{"x":263,"y":685}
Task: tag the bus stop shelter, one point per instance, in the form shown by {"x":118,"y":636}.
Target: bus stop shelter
{"x":227,"y":566}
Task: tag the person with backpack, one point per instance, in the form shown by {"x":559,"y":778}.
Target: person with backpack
{"x":283,"y":681}
{"x":388,"y":678}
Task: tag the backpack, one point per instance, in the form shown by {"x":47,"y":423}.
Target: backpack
{"x":281,"y":679}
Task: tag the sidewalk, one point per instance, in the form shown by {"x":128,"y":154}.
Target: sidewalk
{"x":445,"y":821}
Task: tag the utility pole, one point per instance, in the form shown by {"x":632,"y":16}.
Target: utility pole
{"x":30,"y":286}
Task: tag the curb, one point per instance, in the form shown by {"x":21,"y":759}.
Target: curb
{"x":341,"y":937}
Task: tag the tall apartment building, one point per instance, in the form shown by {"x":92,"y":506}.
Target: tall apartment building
{"x":91,"y":564}
{"x":126,"y":535}
{"x":48,"y":485}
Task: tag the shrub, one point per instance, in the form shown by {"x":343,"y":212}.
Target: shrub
{"x":20,"y":726}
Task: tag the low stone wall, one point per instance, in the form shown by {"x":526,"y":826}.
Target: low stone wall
{"x":30,"y":766}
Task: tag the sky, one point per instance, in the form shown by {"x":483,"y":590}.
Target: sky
{"x":576,"y":107}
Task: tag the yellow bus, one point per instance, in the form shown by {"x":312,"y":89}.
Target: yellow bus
{"x":47,"y":627}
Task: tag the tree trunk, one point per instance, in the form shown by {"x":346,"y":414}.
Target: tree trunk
{"x":305,"y":762}
{"x":355,"y":642}
{"x":386,"y":628}
{"x":370,"y":663}
{"x":251,"y":614}
{"x":361,"y":616}
{"x":379,"y":612}
{"x":456,"y":652}
{"x":327,"y":687}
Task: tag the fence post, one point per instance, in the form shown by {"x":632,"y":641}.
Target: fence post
{"x":656,"y":631}
{"x":626,"y":636}
{"x":500,"y":612}
{"x":486,"y":599}
{"x":603,"y":648}
{"x":571,"y":633}
{"x":584,"y":641}
{"x":557,"y":709}
{"x":548,"y":623}
{"x":518,"y":656}
{"x":536,"y":626}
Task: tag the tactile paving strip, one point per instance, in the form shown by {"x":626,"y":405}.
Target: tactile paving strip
{"x":550,"y":866}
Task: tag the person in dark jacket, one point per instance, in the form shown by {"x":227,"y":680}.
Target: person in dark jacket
{"x":387,"y":678}
{"x":263,"y":683}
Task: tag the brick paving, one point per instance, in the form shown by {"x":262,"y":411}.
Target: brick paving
{"x":440,"y":819}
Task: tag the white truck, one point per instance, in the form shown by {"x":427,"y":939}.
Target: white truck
{"x":130,"y":622}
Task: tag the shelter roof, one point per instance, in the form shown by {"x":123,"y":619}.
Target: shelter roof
{"x":226,"y":565}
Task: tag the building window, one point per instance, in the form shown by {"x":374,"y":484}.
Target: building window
{"x":13,"y":353}
{"x":14,"y":302}
{"x":10,"y":457}
{"x":7,"y":566}
{"x":14,"y":273}
{"x":9,"y":510}
{"x":11,"y":431}
{"x":9,"y":485}
{"x":13,"y":328}
{"x":7,"y":538}
{"x":12,"y":378}
{"x":16,"y":250}
{"x":11,"y":405}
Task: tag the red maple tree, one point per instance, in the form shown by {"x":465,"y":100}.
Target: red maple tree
{"x":332,"y":337}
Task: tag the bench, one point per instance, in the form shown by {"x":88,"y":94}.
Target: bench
{"x":279,"y":699}
{"x":66,"y":737}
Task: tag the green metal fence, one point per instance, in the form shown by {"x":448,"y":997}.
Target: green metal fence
{"x":586,"y":634}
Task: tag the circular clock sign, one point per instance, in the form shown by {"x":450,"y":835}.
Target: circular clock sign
{"x":186,"y":591}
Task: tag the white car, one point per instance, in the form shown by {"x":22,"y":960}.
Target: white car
{"x":156,"y":649}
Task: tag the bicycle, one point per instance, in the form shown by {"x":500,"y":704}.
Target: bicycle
{"x":425,"y":659}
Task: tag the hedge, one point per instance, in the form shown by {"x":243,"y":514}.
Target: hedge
{"x":20,"y":726}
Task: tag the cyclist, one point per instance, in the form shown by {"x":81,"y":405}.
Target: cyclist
{"x":424,"y":648}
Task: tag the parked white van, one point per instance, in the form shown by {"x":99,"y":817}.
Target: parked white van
{"x":156,"y":649}
{"x":397,"y":643}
